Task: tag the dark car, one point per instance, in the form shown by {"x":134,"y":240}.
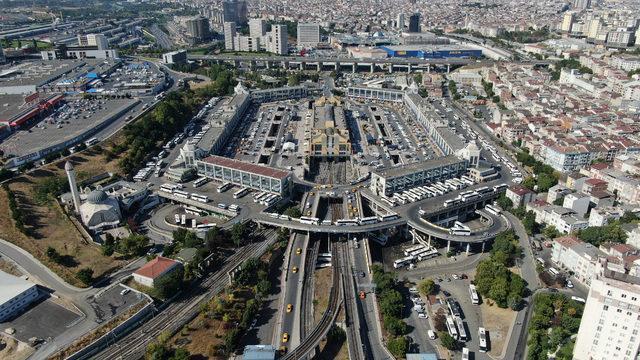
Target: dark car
{"x":446,"y":293}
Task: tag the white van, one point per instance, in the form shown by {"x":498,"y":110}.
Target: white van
{"x":431,"y":334}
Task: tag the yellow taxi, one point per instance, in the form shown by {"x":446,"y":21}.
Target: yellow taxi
{"x":289,"y":308}
{"x":285,"y":337}
{"x":295,"y":269}
{"x":298,"y":251}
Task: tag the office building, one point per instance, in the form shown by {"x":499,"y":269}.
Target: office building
{"x":98,"y":40}
{"x":400,"y":21}
{"x":581,"y":4}
{"x":234,"y":11}
{"x":257,"y":28}
{"x":278,"y":40}
{"x":308,"y":35}
{"x":620,"y":38}
{"x":198,"y":29}
{"x":229,"y":35}
{"x":246,"y":174}
{"x":567,"y":21}
{"x":611,"y":321}
{"x":15,"y":295}
{"x":414,"y":23}
{"x":175,"y":57}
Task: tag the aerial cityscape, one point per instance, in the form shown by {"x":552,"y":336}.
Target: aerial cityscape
{"x":351,"y":180}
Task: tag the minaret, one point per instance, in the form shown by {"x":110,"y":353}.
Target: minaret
{"x":71,"y":175}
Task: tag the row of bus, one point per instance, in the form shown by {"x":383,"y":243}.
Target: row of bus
{"x":264,"y":198}
{"x":176,"y":191}
{"x":460,"y":229}
{"x":427,"y":191}
{"x":415,"y":253}
{"x":467,"y":196}
{"x":349,"y":222}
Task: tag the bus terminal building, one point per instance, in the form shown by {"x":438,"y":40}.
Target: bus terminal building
{"x":245,"y":174}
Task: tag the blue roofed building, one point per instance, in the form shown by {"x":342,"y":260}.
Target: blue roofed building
{"x":259,"y":352}
{"x":423,"y":356}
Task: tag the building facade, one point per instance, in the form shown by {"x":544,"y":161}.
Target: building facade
{"x":308,"y":35}
{"x":15,"y":296}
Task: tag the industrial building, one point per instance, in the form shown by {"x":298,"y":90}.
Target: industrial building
{"x":241,"y":173}
{"x":389,"y":181}
{"x":15,"y":295}
{"x":431,"y":51}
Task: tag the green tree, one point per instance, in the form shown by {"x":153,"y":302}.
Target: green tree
{"x":529,"y":182}
{"x":293,"y":212}
{"x":170,"y":284}
{"x":237,"y":233}
{"x":448,"y":341}
{"x":157,"y":351}
{"x":85,"y":275}
{"x":398,"y":346}
{"x":504,"y":202}
{"x":133,"y":245}
{"x":391,"y":303}
{"x":395,"y":326}
{"x":427,"y":287}
{"x":550,"y":232}
{"x":231,"y":339}
{"x":109,"y":245}
{"x":53,"y":254}
{"x":263,"y":287}
{"x":546,"y":181}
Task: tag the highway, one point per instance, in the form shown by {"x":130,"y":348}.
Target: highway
{"x":180,"y":311}
{"x":278,"y":58}
{"x":292,"y":292}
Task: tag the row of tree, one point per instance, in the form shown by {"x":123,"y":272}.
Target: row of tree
{"x":391,"y":304}
{"x":18,"y":215}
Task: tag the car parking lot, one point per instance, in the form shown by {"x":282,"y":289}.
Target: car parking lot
{"x":45,"y":319}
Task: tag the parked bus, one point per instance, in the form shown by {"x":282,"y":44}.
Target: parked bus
{"x":500,"y":187}
{"x":309,"y":220}
{"x":462,"y":333}
{"x":234,"y":207}
{"x":167,"y":188}
{"x":181,"y":194}
{"x":399,"y":198}
{"x":454,"y":307}
{"x":259,"y":197}
{"x":482,"y":339}
{"x":465,"y":353}
{"x":402,"y":262}
{"x":468,"y":197}
{"x":475,"y":300}
{"x":205,"y":226}
{"x":200,"y":198}
{"x":425,"y":254}
{"x":200,"y":181}
{"x":540,"y":260}
{"x":483,"y":190}
{"x":493,"y":210}
{"x":451,"y":327}
{"x":451,"y":202}
{"x":389,"y":202}
{"x":368,"y":220}
{"x":91,"y":141}
{"x":240,"y":193}
{"x":224,"y":187}
{"x":192,"y":211}
{"x":410,"y":250}
{"x":554,"y":271}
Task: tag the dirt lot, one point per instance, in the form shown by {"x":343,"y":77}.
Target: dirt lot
{"x":322,"y":280}
{"x":11,"y":349}
{"x":48,"y":224}
{"x":497,"y":322}
{"x":9,"y":267}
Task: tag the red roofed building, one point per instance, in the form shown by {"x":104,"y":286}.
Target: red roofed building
{"x":520,"y":195}
{"x":154,"y":270}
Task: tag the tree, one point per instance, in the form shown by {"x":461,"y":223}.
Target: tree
{"x":427,"y":287}
{"x":157,"y":351}
{"x":398,"y":346}
{"x":85,"y":275}
{"x":169,"y":284}
{"x":263,"y":287}
{"x":504,"y":202}
{"x":546,"y":181}
{"x":53,"y":254}
{"x":391,"y":303}
{"x":109,"y":245}
{"x":529,"y":182}
{"x":550,"y":232}
{"x":237,"y":233}
{"x":212,"y":238}
{"x":448,"y":341}
{"x":134,"y":244}
{"x":293,"y":212}
{"x":395,"y":326}
{"x":231,"y":339}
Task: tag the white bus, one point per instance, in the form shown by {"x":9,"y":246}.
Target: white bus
{"x":483,"y":190}
{"x":482,"y":339}
{"x":91,"y":141}
{"x":309,"y":220}
{"x":465,"y":353}
{"x":347,"y":222}
{"x":463,"y":232}
{"x":387,"y":217}
{"x":200,"y":198}
{"x":578,"y":299}
{"x":468,"y":197}
{"x":234,"y":207}
{"x":540,"y":260}
{"x":181,"y":194}
{"x":224,"y":187}
{"x":475,"y":300}
{"x":259,"y":197}
{"x":500,"y":187}
{"x":389,"y":202}
{"x":200,"y":181}
{"x":368,"y":220}
{"x":426,"y":254}
{"x":462,"y":333}
{"x":192,"y":211}
{"x":402,"y":262}
{"x":240,"y":193}
{"x":399,"y":199}
{"x":167,"y":188}
{"x":492,"y":210}
{"x":205,"y":226}
{"x":451,"y":327}
{"x":410,"y":250}
{"x":554,"y":271}
{"x":451,"y":202}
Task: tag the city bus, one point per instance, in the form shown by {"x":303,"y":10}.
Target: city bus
{"x":492,"y":210}
{"x":200,"y":181}
{"x":387,"y":217}
{"x":389,"y":202}
{"x":457,"y":231}
{"x":234,"y":207}
{"x":181,"y":194}
{"x":553,"y":271}
{"x":451,"y":202}
{"x":410,"y":250}
{"x":200,"y":198}
{"x":468,"y":197}
{"x":465,"y":353}
{"x":462,"y":333}
{"x":483,"y":190}
{"x":224,"y":187}
{"x":167,"y":188}
{"x":309,"y":220}
{"x":368,"y":220}
{"x":91,"y":141}
{"x":399,"y":199}
{"x":402,"y":262}
{"x":205,"y":226}
{"x":454,"y":307}
{"x":475,"y":300}
{"x":540,"y":260}
{"x":482,"y":339}
{"x":240,"y":193}
{"x":500,"y":187}
{"x":451,"y":327}
{"x":425,"y":254}
{"x":259,"y":197}
{"x":347,"y":222}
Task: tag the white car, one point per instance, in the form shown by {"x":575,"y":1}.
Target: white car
{"x":431,"y":334}
{"x":569,"y":284}
{"x":455,"y":276}
{"x":422,"y":315}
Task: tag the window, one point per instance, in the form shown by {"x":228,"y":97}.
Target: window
{"x":605,"y":307}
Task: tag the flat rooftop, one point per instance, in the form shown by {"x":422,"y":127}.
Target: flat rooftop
{"x":12,"y":286}
{"x":428,"y":47}
{"x":41,"y":72}
{"x":11,"y":105}
{"x":246,"y":167}
{"x":419,"y":166}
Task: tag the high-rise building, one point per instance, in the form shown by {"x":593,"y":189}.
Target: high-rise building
{"x":610,"y":323}
{"x":400,"y":21}
{"x":567,"y":21}
{"x":414,"y":23}
{"x":234,"y":11}
{"x":308,"y":35}
{"x":620,"y":38}
{"x":98,"y":40}
{"x":229,"y":35}
{"x":278,"y":40}
{"x":198,"y":29}
{"x":581,"y":4}
{"x":257,"y":27}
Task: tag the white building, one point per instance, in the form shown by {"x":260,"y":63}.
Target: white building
{"x":575,"y":255}
{"x":155,"y":269}
{"x":308,"y":35}
{"x":175,"y":57}
{"x":567,"y":159}
{"x":15,"y":295}
{"x":602,"y":216}
{"x":98,"y":40}
{"x":610,"y":323}
{"x":577,"y":202}
{"x":257,"y":28}
{"x":229,"y":35}
{"x":277,"y":40}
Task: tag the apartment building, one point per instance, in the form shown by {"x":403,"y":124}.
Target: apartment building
{"x":567,"y":158}
{"x":574,"y":255}
{"x":520,"y":195}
